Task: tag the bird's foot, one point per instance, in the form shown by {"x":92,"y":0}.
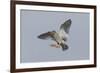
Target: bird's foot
{"x":55,"y":45}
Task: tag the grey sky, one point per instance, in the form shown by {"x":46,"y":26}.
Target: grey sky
{"x":33,"y":23}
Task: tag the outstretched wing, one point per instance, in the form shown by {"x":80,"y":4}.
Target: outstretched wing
{"x":66,"y":26}
{"x":45,"y":36}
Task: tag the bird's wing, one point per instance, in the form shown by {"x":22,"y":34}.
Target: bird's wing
{"x":66,"y":26}
{"x":47,"y":35}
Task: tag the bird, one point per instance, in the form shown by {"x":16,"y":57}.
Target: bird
{"x":60,"y":37}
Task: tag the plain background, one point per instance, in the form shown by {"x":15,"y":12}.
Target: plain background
{"x":34,"y":23}
{"x":5,"y":37}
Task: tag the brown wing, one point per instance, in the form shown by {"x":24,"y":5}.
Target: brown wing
{"x":47,"y":35}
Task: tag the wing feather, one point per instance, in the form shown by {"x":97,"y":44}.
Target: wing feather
{"x":66,"y":25}
{"x":45,"y":36}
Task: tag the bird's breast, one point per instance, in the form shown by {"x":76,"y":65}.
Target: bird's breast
{"x":57,"y":38}
{"x":63,"y":34}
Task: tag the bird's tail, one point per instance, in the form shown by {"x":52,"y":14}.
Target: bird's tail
{"x":64,"y":46}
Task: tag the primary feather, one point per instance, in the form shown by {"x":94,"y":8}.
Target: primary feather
{"x":64,"y":29}
{"x":46,"y":35}
{"x":66,"y":26}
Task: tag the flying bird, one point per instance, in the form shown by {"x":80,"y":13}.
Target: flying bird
{"x":59,"y":37}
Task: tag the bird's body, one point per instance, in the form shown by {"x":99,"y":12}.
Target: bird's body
{"x":57,"y":38}
{"x":60,"y":37}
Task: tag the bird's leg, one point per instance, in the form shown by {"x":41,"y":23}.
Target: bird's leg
{"x":58,"y":46}
{"x":55,"y":45}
